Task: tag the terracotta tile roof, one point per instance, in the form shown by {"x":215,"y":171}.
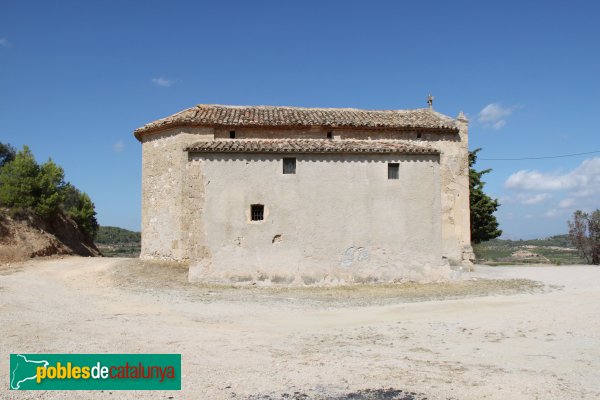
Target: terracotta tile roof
{"x":307,"y":146}
{"x":270,"y":116}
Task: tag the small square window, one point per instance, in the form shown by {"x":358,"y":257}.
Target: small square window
{"x":257,"y":212}
{"x":231,"y":134}
{"x":393,"y":170}
{"x":289,"y":165}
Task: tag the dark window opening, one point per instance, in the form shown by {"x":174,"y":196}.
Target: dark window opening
{"x":257,"y":212}
{"x":329,"y":135}
{"x":289,"y":165}
{"x":393,"y":170}
{"x":231,"y":134}
{"x":418,"y":136}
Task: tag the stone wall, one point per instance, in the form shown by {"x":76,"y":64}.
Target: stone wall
{"x":164,"y":236}
{"x":171,"y":196}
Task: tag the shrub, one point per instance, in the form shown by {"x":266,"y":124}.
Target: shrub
{"x":584,"y":232}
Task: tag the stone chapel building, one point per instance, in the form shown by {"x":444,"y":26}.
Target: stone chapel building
{"x":306,"y":195}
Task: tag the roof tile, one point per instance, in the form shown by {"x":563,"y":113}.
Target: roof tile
{"x":308,"y":146}
{"x":271,"y":116}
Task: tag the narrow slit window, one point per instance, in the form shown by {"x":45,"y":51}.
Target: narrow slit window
{"x":393,"y":170}
{"x":257,"y":212}
{"x":231,"y":134}
{"x":289,"y":165}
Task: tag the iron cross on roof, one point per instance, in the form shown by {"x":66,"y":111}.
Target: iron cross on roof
{"x":430,"y":99}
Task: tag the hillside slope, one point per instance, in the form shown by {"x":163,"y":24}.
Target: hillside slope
{"x":28,"y":237}
{"x":118,"y":242}
{"x":551,"y":250}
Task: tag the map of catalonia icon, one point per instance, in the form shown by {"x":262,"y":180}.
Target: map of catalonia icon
{"x":23,"y":371}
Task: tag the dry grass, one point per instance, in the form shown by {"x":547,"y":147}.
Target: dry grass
{"x":165,"y":277}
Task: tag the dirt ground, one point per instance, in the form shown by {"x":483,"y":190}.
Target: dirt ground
{"x":498,"y":333}
{"x":25,"y":235}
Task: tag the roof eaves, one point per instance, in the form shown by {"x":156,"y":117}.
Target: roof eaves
{"x":219,"y":116}
{"x":317,"y":146}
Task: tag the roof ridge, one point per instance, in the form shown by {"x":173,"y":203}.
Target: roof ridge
{"x":267,"y":107}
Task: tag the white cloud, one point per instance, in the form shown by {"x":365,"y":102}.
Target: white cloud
{"x":534,"y":180}
{"x":494,"y":115}
{"x":4,"y":42}
{"x":535,"y":199}
{"x":119,"y":146}
{"x":553,"y":212}
{"x":578,"y":188}
{"x":163,"y":82}
{"x":506,"y":200}
{"x":581,"y":181}
{"x":567,"y":203}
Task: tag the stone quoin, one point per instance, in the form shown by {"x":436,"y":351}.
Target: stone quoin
{"x":292,"y":195}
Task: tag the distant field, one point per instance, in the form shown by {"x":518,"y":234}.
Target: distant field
{"x":118,"y":242}
{"x":554,"y":250}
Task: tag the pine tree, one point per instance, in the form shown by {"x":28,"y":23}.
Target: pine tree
{"x":7,"y":153}
{"x":19,"y":187}
{"x":484,"y":225}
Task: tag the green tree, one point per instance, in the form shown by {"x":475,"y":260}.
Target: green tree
{"x":80,"y":207}
{"x":484,"y":225}
{"x":7,"y":153}
{"x":50,"y":183}
{"x":26,"y":186}
{"x":18,"y":181}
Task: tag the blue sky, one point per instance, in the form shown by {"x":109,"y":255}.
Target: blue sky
{"x":77,"y":77}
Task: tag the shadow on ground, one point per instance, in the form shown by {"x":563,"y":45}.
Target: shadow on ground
{"x":368,"y":394}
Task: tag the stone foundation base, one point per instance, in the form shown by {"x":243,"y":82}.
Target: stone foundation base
{"x":204,"y":272}
{"x":468,"y":257}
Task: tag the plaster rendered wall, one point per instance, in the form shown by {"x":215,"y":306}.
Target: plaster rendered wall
{"x":337,"y":219}
{"x":454,"y":177}
{"x":454,"y":183}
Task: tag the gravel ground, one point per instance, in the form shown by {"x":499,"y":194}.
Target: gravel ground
{"x":498,"y":333}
